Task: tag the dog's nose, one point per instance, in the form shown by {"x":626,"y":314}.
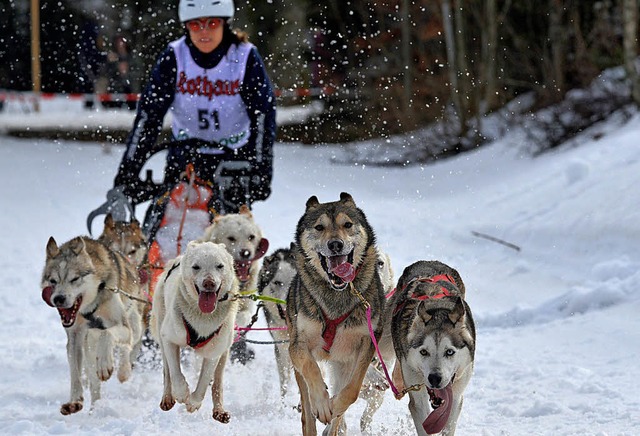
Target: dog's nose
{"x":434,"y":380}
{"x":59,"y":300}
{"x":335,"y":246}
{"x":245,"y":254}
{"x":209,"y":285}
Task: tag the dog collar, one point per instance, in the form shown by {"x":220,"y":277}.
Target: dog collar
{"x":331,"y":325}
{"x":194,"y":340}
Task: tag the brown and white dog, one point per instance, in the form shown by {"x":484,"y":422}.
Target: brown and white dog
{"x":336,"y":260}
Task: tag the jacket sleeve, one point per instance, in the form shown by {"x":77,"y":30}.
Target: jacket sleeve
{"x":258,"y":95}
{"x":155,"y":101}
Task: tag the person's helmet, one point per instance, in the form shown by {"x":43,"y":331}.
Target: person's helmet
{"x":192,"y":9}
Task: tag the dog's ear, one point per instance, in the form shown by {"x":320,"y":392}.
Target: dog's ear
{"x":244,"y":210}
{"x":134,"y":224}
{"x":458,"y":311}
{"x":292,"y":247}
{"x":214,"y":213}
{"x":108,"y":222}
{"x":312,"y":202}
{"x":423,"y":313}
{"x":52,"y":248}
{"x":345,"y":197}
{"x":77,"y":245}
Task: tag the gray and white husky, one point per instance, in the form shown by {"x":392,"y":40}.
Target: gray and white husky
{"x":434,"y":339}
{"x":276,"y":275}
{"x":82,"y":279}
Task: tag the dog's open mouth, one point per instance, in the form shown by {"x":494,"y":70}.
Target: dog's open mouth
{"x":68,"y":316}
{"x":242,"y":269}
{"x":339,"y":269}
{"x":207,"y":298}
{"x":441,"y":404}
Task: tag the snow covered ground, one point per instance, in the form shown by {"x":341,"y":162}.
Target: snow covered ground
{"x":558,"y":327}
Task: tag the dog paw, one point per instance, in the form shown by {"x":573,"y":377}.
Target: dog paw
{"x":167,"y":402}
{"x":180,"y":392}
{"x":124,"y":372}
{"x":104,"y":366}
{"x":71,"y":407}
{"x":321,"y":406}
{"x":193,"y":405}
{"x":221,"y":416}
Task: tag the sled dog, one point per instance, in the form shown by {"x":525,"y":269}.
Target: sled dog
{"x":84,"y":280}
{"x":194,"y":306}
{"x":275,"y":277}
{"x":243,"y":239}
{"x":434,"y":339}
{"x":127,"y":239}
{"x":336,"y":262}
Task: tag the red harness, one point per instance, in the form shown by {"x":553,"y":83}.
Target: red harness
{"x":437,"y":278}
{"x":331,"y":325}
{"x":194,"y":340}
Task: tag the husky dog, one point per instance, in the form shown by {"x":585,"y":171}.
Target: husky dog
{"x":85,"y":281}
{"x":336,"y":262}
{"x":277,"y":272}
{"x":434,"y":338}
{"x":243,"y":239}
{"x":194,"y":306}
{"x":275,"y":277}
{"x":126,"y":238}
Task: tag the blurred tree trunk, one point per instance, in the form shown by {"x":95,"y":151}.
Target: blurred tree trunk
{"x":630,"y":45}
{"x":557,"y":39}
{"x":406,"y":58}
{"x":490,"y":49}
{"x":447,"y":21}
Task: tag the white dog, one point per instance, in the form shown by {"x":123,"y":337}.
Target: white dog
{"x":195,"y":305}
{"x":243,"y":239}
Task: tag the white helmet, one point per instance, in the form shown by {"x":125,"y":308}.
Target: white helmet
{"x":192,"y":9}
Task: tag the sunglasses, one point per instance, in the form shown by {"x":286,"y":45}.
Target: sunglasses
{"x":203,"y":23}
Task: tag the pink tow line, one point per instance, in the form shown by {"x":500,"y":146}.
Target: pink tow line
{"x":375,"y":344}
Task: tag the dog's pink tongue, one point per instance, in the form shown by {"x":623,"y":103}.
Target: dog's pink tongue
{"x":345,"y":271}
{"x":438,"y":418}
{"x":207,"y":301}
{"x":46,"y":295}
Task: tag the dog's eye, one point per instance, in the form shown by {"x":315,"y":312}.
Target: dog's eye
{"x":278,"y":284}
{"x":220,"y":266}
{"x":252,"y":237}
{"x":319,"y":227}
{"x":132,"y":252}
{"x":424,"y":352}
{"x":449,"y":352}
{"x":53,"y":282}
{"x":196,"y":267}
{"x":74,"y":280}
{"x":380,"y":264}
{"x":231,"y":239}
{"x":348,"y":225}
